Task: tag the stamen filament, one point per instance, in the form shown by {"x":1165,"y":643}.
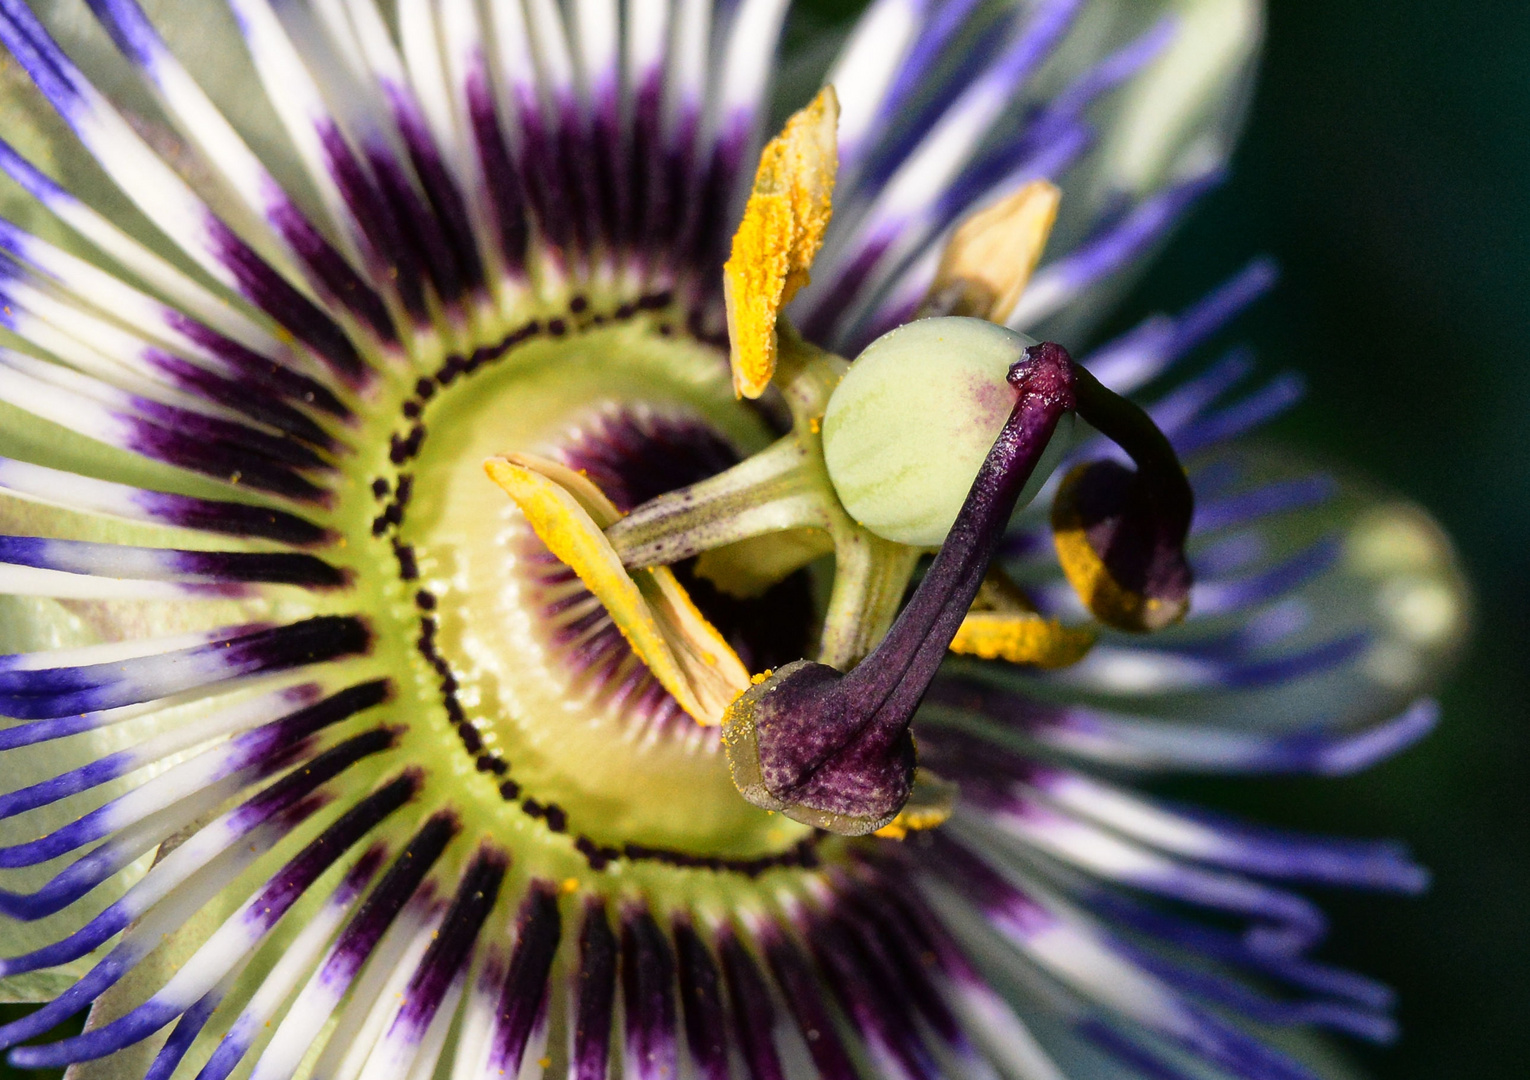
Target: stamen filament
{"x":783,"y":489}
{"x":870,"y":577}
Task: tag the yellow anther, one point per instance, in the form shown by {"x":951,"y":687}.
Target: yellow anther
{"x":782,"y":230}
{"x":990,"y":257}
{"x":1021,"y":638}
{"x":1003,"y":624}
{"x":656,"y":616}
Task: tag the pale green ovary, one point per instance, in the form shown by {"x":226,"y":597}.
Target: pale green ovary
{"x":913,"y":419}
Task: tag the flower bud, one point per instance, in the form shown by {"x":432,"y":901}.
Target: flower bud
{"x":907,"y":429}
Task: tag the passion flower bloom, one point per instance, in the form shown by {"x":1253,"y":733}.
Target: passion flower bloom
{"x":462,"y":621}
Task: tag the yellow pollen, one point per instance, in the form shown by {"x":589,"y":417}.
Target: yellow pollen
{"x":929,"y":806}
{"x":656,"y":616}
{"x":782,"y":230}
{"x":1021,"y":638}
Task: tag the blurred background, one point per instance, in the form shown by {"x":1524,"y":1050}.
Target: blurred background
{"x":1386,"y":166}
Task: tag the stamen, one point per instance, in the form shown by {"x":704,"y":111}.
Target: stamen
{"x":1021,"y":638}
{"x":769,"y":492}
{"x":783,"y":228}
{"x":682,"y":649}
{"x":990,"y":257}
{"x":777,"y":511}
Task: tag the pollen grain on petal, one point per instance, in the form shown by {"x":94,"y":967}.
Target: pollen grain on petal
{"x":783,"y":228}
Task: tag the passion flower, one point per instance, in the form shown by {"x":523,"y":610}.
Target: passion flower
{"x":464,"y":614}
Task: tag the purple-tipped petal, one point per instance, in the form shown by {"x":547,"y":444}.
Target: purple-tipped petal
{"x":52,"y":692}
{"x":523,"y":998}
{"x":445,"y":962}
{"x":793,"y":972}
{"x":701,"y":1001}
{"x":277,"y":809}
{"x":754,"y":1016}
{"x":594,"y":995}
{"x":877,"y":1008}
{"x":255,"y":919}
{"x":648,"y":997}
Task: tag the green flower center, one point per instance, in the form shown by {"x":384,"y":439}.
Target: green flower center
{"x":495,"y":635}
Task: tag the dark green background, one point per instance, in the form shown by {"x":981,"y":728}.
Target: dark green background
{"x":1387,"y":167}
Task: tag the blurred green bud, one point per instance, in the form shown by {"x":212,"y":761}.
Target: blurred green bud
{"x":907,"y":429}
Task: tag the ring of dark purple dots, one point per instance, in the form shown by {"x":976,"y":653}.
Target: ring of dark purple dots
{"x":404,"y":447}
